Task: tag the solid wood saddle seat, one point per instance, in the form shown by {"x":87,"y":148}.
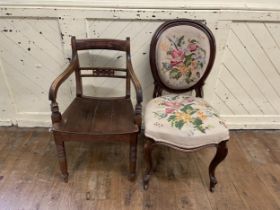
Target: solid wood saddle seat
{"x":98,"y":116}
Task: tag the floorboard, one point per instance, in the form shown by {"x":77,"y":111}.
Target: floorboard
{"x":30,"y":178}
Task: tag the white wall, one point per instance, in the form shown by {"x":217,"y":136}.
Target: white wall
{"x":35,"y":44}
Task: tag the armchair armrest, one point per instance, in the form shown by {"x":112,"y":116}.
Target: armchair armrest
{"x":61,"y":78}
{"x":139,"y":94}
{"x":56,"y":115}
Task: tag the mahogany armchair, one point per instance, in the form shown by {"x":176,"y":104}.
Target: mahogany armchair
{"x":94,"y":118}
{"x":182,"y":54}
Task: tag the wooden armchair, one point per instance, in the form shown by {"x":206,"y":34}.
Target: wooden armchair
{"x":95,"y":118}
{"x":181,"y":56}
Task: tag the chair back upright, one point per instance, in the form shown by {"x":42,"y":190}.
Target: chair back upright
{"x":100,"y":44}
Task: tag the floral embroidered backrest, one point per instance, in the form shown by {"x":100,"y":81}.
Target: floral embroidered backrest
{"x":182,"y":54}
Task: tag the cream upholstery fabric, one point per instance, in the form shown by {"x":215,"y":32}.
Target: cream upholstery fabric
{"x":184,"y":121}
{"x":182,"y":55}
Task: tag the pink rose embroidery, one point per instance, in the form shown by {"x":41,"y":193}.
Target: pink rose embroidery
{"x":171,"y":104}
{"x":192,"y":47}
{"x":177,"y":54}
{"x":189,"y":100}
{"x":184,"y":58}
{"x":177,"y":57}
{"x":169,"y":110}
{"x":175,"y":63}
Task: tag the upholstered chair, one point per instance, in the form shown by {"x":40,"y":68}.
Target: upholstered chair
{"x":182,"y":54}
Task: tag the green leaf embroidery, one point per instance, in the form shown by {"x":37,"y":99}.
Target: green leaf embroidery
{"x":200,"y":64}
{"x":174,"y":98}
{"x":197,"y":121}
{"x":188,"y":77}
{"x":188,"y":59}
{"x":179,"y":124}
{"x":175,"y":45}
{"x":169,"y":52}
{"x":193,"y":111}
{"x":187,"y":108}
{"x":200,"y":128}
{"x":175,"y":74}
{"x":160,"y":115}
{"x":171,"y":118}
{"x":198,"y":124}
{"x":180,"y":41}
{"x":203,"y":50}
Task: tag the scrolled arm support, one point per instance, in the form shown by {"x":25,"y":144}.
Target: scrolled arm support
{"x":138,"y":115}
{"x":56,"y":115}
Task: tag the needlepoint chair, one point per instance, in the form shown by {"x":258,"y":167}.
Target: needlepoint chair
{"x":94,"y":118}
{"x":182,"y":53}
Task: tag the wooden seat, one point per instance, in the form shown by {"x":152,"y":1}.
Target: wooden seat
{"x":97,"y":118}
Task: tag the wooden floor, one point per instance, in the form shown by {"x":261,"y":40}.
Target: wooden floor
{"x":30,"y":179}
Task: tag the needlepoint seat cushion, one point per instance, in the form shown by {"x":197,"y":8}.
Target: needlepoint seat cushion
{"x":184,"y":121}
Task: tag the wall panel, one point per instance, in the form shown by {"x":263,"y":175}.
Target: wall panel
{"x":35,"y":47}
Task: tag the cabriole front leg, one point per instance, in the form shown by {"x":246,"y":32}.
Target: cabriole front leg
{"x":221,"y":154}
{"x":62,"y":158}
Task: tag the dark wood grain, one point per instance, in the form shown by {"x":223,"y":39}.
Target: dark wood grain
{"x":97,"y":117}
{"x":29,"y":175}
{"x":109,"y":44}
{"x":73,"y":66}
{"x":92,"y":118}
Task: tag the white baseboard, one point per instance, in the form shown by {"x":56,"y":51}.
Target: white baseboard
{"x":4,"y":122}
{"x":252,"y":121}
{"x":233,"y":122}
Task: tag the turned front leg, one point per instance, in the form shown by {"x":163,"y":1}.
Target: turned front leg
{"x":62,"y":159}
{"x":133,"y":157}
{"x":148,"y":147}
